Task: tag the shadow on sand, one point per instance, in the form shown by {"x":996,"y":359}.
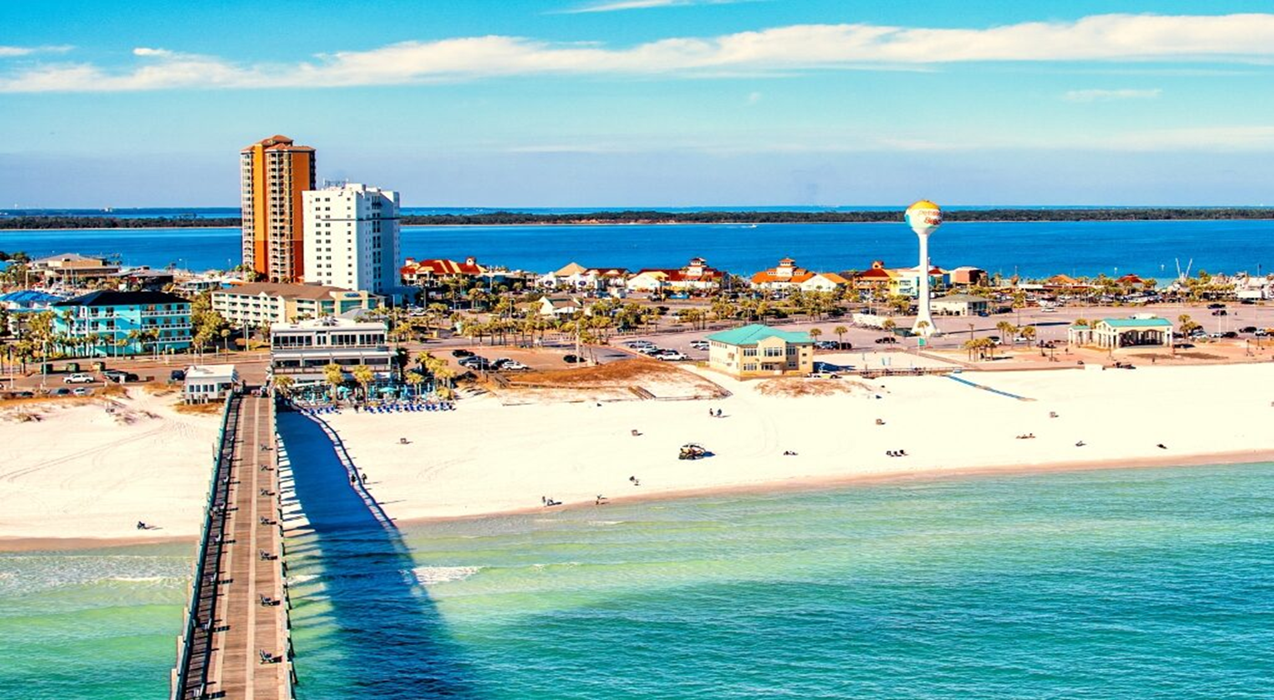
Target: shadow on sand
{"x":388,"y":636}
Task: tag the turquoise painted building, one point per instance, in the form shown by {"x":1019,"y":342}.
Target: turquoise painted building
{"x":108,"y":323}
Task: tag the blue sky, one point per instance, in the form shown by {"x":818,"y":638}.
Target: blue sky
{"x":645,"y":102}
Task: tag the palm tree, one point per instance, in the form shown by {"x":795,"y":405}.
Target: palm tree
{"x":888,"y":326}
{"x":364,"y":376}
{"x":815,"y":334}
{"x":1008,"y":329}
{"x":1028,"y":334}
{"x":334,"y":377}
{"x":840,"y":332}
{"x":283,"y":385}
{"x":414,"y":380}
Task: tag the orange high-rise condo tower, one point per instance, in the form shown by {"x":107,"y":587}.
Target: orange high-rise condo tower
{"x":274,"y":173}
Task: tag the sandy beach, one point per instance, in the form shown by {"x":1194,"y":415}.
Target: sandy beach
{"x":80,"y":476}
{"x":73,"y":474}
{"x":488,"y":457}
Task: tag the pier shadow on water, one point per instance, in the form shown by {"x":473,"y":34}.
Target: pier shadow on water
{"x":388,"y":639}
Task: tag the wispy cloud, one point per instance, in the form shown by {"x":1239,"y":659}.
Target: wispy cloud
{"x":619,"y":5}
{"x":779,"y":50}
{"x":13,"y":51}
{"x":1108,"y":95}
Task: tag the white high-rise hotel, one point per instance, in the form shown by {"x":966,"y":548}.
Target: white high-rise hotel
{"x":351,"y":238}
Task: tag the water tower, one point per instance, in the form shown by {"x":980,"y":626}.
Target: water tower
{"x":924,"y":217}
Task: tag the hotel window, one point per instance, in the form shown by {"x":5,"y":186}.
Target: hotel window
{"x":774,"y":352}
{"x":750,"y":367}
{"x":749,"y":352}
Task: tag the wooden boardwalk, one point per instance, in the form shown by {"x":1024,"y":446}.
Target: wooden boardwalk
{"x":237,"y":643}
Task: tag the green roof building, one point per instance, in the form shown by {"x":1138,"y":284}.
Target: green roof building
{"x":760,"y":351}
{"x":1114,"y":333}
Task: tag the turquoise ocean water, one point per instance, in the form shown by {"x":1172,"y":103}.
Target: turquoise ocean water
{"x":1149,"y":583}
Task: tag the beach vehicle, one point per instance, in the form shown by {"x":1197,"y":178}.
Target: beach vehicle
{"x":692,"y":450}
{"x":79,"y":378}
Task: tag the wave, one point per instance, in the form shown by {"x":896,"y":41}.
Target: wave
{"x":433,"y":575}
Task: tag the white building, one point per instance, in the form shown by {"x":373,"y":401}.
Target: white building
{"x":209,"y":382}
{"x":303,"y":350}
{"x":351,"y":238}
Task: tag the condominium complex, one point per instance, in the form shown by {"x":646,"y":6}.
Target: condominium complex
{"x":351,"y":238}
{"x":274,"y":173}
{"x":261,"y":303}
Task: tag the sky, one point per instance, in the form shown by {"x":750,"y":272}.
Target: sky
{"x":645,"y":103}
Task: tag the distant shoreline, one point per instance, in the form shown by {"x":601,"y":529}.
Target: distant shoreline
{"x":655,"y":218}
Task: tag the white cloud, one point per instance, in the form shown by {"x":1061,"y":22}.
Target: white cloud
{"x":1107,"y":95}
{"x":780,"y":50}
{"x":12,"y":51}
{"x":618,"y":5}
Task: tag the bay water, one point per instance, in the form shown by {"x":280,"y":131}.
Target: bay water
{"x":1138,"y":583}
{"x":1032,"y":249}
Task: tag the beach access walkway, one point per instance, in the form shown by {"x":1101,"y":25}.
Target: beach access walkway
{"x":236,"y":643}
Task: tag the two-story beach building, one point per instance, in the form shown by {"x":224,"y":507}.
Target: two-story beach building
{"x":107,"y":323}
{"x":303,"y":350}
{"x":760,"y":351}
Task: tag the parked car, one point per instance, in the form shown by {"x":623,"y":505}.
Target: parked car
{"x":119,"y":376}
{"x":1248,"y":329}
{"x":79,"y":378}
{"x":461,"y":352}
{"x":82,"y":391}
{"x":887,"y":339}
{"x":571,"y":359}
{"x":1260,"y":332}
{"x":639,"y":344}
{"x":826,"y":345}
{"x":60,"y":391}
{"x":177,"y":375}
{"x":1220,"y":312}
{"x":671,"y":356}
{"x":1229,"y":334}
{"x":1216,"y":306}
{"x":513,"y":366}
{"x":699,"y":344}
{"x":476,"y":362}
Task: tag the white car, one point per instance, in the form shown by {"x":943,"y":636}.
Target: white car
{"x":670,"y":356}
{"x":699,"y":344}
{"x":79,"y":378}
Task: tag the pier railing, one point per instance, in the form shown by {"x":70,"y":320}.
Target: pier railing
{"x":194,"y":646}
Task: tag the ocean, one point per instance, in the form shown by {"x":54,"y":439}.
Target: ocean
{"x":1147,"y":248}
{"x":1139,"y":583}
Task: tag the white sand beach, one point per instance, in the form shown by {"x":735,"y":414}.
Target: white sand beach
{"x":488,"y":458}
{"x":73,"y":470}
{"x":81,"y":476}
